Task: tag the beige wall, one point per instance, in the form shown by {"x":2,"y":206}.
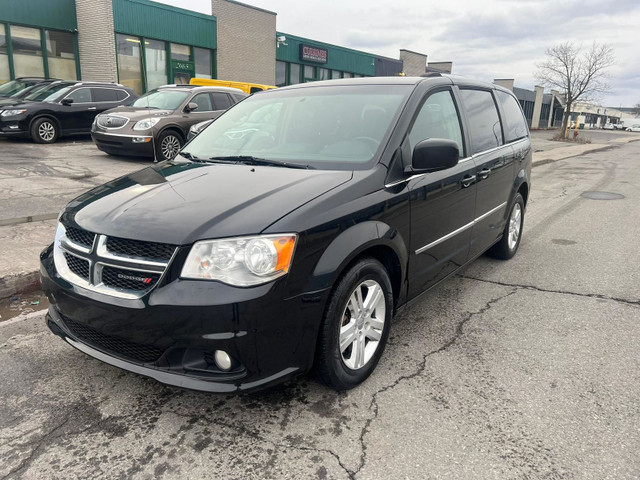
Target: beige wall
{"x":505,"y":82}
{"x":246,"y":42}
{"x":414,"y":63}
{"x":444,"y":67}
{"x":96,"y":40}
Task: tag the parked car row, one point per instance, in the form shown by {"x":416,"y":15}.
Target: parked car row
{"x":120,"y":122}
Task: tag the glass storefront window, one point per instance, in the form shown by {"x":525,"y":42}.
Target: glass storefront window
{"x":309,"y":73}
{"x":129,"y":61}
{"x":27,"y":52}
{"x":347,"y":75}
{"x":156,"y":63}
{"x":335,"y":74}
{"x":180,"y":52}
{"x":294,"y":73}
{"x":4,"y":58}
{"x":323,"y":74}
{"x":202,"y":57}
{"x":61,"y":55}
{"x":281,"y":74}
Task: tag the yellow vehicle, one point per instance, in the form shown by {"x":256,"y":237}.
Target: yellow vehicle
{"x":244,"y":86}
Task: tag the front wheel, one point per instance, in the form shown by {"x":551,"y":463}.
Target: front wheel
{"x":508,"y":245}
{"x":355,"y":327}
{"x":44,"y":130}
{"x":168,"y":146}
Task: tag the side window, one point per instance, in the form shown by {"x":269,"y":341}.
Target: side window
{"x":81,"y":95}
{"x":204,"y":102}
{"x":255,"y":89}
{"x":484,"y":123}
{"x":121,"y":94}
{"x":104,"y":95}
{"x":221,"y":100}
{"x":515,"y":126}
{"x":438,"y":118}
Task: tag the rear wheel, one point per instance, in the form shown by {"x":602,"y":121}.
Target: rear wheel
{"x":508,"y":245}
{"x":44,"y":130}
{"x":168,"y":146}
{"x":356,"y":325}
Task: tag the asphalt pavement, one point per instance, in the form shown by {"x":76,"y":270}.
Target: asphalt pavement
{"x":520,"y":369}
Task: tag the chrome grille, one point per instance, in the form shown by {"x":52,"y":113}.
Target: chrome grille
{"x":135,"y":248}
{"x":77,"y":265}
{"x":114,"y":266}
{"x":81,"y":237}
{"x":112,"y":121}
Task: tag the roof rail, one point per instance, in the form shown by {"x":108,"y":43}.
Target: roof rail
{"x":431,"y":74}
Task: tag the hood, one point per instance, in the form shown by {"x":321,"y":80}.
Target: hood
{"x":9,"y":102}
{"x":179,"y":203}
{"x":136,"y":113}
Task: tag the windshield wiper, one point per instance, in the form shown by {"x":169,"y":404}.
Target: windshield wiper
{"x":249,"y":160}
{"x":190,"y":156}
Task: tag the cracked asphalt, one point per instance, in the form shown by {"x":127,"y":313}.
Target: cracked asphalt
{"x":520,"y":369}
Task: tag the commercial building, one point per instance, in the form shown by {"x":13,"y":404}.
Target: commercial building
{"x":143,"y":44}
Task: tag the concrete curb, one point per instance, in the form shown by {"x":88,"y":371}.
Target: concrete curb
{"x":560,"y":153}
{"x":19,"y":283}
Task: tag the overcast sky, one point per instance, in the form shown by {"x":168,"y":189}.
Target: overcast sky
{"x":485,"y":39}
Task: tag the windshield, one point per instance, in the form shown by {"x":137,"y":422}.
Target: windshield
{"x":329,"y":127}
{"x":48,"y":93}
{"x":162,"y":99}
{"x":9,"y":88}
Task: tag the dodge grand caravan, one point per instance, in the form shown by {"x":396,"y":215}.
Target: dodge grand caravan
{"x":287,"y":234}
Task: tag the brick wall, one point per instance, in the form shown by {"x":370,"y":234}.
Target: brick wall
{"x":414,"y":64}
{"x":246,"y":42}
{"x":96,"y":40}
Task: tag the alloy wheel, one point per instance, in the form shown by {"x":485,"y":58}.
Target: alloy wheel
{"x":515,"y":224}
{"x":362,"y":324}
{"x":47,"y":131}
{"x":170,"y":146}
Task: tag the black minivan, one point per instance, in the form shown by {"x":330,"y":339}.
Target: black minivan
{"x":287,"y":234}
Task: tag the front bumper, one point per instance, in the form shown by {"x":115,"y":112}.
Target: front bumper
{"x":170,"y":334}
{"x":14,"y":127}
{"x":123,"y":144}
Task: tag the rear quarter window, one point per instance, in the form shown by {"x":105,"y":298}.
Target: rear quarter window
{"x":484,"y":123}
{"x":221,"y":100}
{"x":515,"y":126}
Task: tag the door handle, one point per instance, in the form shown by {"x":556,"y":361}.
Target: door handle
{"x":92,"y":108}
{"x":467,"y":180}
{"x":484,"y":173}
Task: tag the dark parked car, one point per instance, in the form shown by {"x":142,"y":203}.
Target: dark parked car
{"x":157,"y":124}
{"x":290,"y":231}
{"x":12,"y":87}
{"x":61,"y":108}
{"x":17,"y":96}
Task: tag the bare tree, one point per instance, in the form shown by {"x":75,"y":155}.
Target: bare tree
{"x":579,"y":74}
{"x":636,"y":109}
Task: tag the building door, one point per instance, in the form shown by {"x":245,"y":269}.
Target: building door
{"x":182,"y":71}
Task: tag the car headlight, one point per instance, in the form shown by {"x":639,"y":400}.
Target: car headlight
{"x":241,"y":261}
{"x":12,"y":113}
{"x":146,"y":123}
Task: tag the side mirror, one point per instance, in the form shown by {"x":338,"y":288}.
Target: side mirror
{"x":434,"y":154}
{"x":67,"y":101}
{"x":191,"y":106}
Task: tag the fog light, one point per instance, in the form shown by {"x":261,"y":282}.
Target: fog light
{"x":223,"y":360}
{"x":13,"y":127}
{"x":141,"y":139}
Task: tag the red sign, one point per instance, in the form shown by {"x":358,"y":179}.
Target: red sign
{"x":313,"y":54}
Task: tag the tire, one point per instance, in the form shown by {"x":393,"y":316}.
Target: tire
{"x":508,"y":245}
{"x":343,"y":369}
{"x":168,"y":145}
{"x":44,"y":130}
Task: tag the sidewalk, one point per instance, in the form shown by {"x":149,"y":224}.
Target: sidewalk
{"x":22,"y":243}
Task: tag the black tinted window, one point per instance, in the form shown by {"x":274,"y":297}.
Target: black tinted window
{"x":203,"y":101}
{"x":515,"y":126}
{"x":221,"y":100}
{"x":81,"y":95}
{"x":484,"y":123}
{"x":104,"y":95}
{"x":438,"y":118}
{"x":121,"y":94}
